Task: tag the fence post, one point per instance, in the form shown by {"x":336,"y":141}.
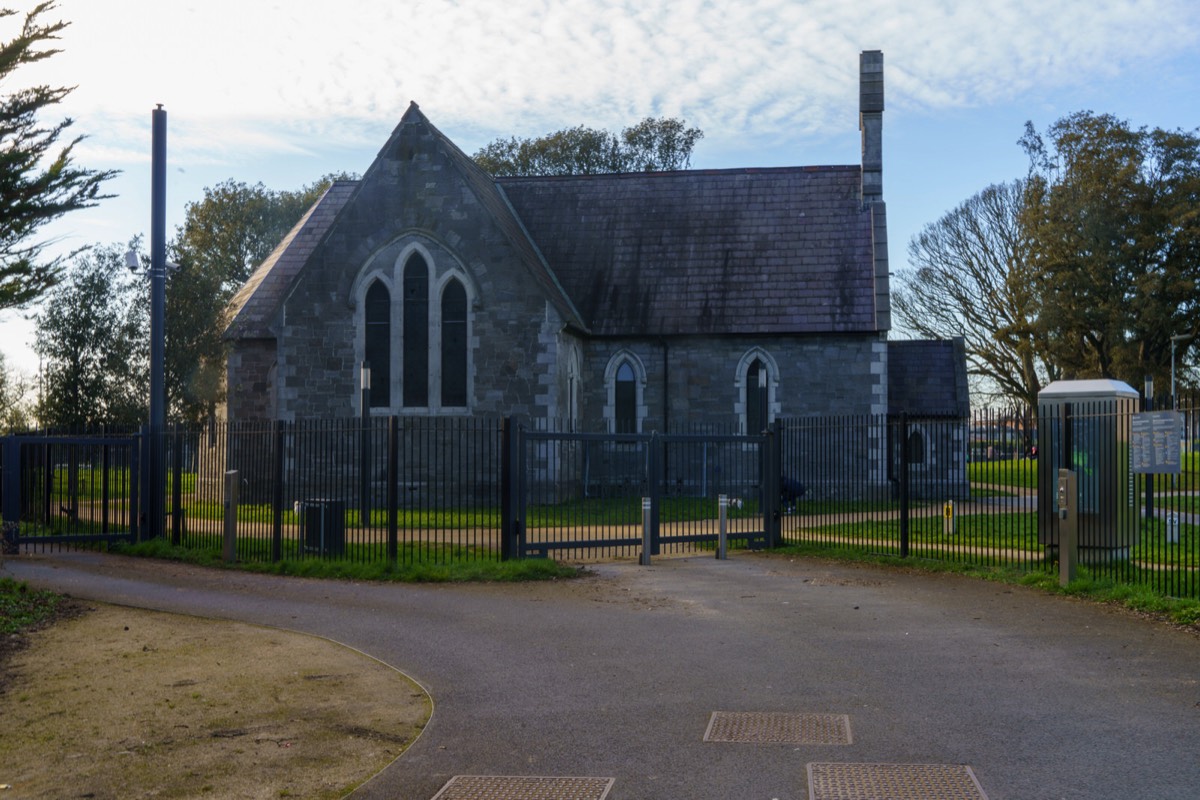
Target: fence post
{"x":135,"y":482}
{"x":229,"y":549}
{"x":774,"y":462}
{"x":104,"y":489}
{"x":279,"y":427}
{"x":656,"y":479}
{"x":904,"y":457}
{"x":647,"y":516}
{"x":723,"y":529}
{"x":393,"y":490}
{"x":364,"y":467}
{"x":11,"y":510}
{"x":177,"y":487}
{"x":512,"y":507}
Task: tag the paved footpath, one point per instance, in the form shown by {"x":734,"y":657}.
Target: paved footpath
{"x":617,"y":675}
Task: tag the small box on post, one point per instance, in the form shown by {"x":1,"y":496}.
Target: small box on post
{"x":1068,"y":526}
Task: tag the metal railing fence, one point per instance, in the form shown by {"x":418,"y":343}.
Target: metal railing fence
{"x":431,"y":490}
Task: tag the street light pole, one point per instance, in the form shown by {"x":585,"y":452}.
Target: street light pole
{"x":1183,"y":337}
{"x":158,"y":293}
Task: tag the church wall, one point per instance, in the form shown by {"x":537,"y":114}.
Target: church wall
{"x":250,"y":380}
{"x":417,"y":204}
{"x":826,"y":375}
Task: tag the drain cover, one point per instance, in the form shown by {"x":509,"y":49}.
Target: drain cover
{"x":501,"y":787}
{"x":778,"y":727}
{"x":892,"y":782}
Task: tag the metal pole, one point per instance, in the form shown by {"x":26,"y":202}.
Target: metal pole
{"x":1149,"y":512}
{"x":229,"y":538}
{"x":158,"y":293}
{"x":723,"y":509}
{"x":1181,"y":337}
{"x":904,"y":475}
{"x":364,"y":472}
{"x":645,"y":558}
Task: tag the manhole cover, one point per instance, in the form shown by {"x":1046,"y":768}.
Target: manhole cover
{"x":778,"y":727}
{"x":892,"y":782}
{"x":501,"y":787}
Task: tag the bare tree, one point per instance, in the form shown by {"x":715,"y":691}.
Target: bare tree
{"x":970,"y":275}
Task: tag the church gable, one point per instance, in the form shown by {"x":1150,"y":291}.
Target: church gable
{"x":425,"y":275}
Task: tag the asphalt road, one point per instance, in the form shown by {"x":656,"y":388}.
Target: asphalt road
{"x":617,"y":675}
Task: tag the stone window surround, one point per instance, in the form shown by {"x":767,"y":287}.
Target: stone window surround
{"x":739,"y":385}
{"x":391,"y":275}
{"x":624,"y":356}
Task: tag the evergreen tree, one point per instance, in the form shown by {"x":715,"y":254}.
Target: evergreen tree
{"x":39,"y":181}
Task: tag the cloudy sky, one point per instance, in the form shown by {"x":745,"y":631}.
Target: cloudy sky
{"x":284,"y":92}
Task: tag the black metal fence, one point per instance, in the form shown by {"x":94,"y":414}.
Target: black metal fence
{"x":432,"y":490}
{"x":62,"y":489}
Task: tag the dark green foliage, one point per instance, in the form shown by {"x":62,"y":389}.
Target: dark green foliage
{"x":223,"y":239}
{"x":92,"y":338}
{"x":1111,"y":212}
{"x":39,"y":181}
{"x":651,"y":145}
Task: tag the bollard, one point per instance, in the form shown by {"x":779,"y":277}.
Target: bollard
{"x":1068,"y":526}
{"x":723,"y":508}
{"x":229,"y":550}
{"x":645,"y":559}
{"x":948,"y":518}
{"x":1172,"y":528}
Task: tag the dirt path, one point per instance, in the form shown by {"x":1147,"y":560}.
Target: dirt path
{"x":124,"y":703}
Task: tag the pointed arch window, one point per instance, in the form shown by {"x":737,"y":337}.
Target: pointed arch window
{"x":625,"y":386}
{"x":757,"y":382}
{"x":625,"y":413}
{"x":916,"y":447}
{"x":377,"y":341}
{"x":416,"y":332}
{"x":454,"y":344}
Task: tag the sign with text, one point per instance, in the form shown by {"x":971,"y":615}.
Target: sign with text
{"x":1155,"y":442}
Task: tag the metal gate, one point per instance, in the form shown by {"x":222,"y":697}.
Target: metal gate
{"x":590,"y":495}
{"x":59,"y":490}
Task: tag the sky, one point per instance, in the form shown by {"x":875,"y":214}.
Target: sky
{"x":281,"y":93}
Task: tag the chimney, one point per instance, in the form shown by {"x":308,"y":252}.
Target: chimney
{"x":870,"y":122}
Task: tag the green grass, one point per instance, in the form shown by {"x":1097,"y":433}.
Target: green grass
{"x":1018,"y":473}
{"x":22,"y":608}
{"x":592,"y":511}
{"x":416,"y":564}
{"x":1135,"y":597}
{"x":975,"y":530}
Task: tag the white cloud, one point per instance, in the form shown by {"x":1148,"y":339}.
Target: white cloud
{"x":756,"y":67}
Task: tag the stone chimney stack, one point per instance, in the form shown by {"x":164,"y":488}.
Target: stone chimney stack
{"x":870,"y":122}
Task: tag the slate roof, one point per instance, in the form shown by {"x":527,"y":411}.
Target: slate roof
{"x":740,"y":251}
{"x":755,"y":251}
{"x":253,"y":308}
{"x":929,"y":375}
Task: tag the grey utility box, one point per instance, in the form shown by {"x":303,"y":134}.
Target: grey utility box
{"x":1084,"y":426}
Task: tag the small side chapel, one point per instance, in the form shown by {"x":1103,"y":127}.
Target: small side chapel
{"x":624,"y":302}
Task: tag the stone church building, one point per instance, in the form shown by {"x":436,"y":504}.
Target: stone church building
{"x":624,"y":302}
